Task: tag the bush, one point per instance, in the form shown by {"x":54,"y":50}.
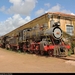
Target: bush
{"x":72,"y":46}
{"x":70,"y":52}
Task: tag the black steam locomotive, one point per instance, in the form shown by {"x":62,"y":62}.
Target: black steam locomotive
{"x":38,"y":40}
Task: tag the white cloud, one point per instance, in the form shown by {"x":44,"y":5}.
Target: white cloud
{"x":40,"y":12}
{"x":72,"y":14}
{"x":23,"y":7}
{"x":56,"y":8}
{"x":2,"y":8}
{"x":12,"y":23}
{"x":47,"y":4}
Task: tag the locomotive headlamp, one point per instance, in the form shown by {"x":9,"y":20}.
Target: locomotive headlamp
{"x":58,"y":23}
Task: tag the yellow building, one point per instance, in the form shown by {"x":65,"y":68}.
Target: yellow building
{"x":67,"y":22}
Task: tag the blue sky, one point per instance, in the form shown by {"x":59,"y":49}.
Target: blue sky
{"x":14,"y":13}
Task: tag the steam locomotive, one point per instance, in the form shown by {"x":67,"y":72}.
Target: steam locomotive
{"x":38,"y":40}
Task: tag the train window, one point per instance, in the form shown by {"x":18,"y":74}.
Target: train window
{"x":48,"y":38}
{"x":43,"y":36}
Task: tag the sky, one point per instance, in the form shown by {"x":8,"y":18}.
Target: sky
{"x":15,"y":13}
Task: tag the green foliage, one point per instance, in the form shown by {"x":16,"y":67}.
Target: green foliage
{"x":71,"y":41}
{"x":70,"y":52}
{"x":72,"y":46}
{"x":66,"y":35}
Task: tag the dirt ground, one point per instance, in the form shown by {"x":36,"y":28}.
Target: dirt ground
{"x":14,"y":62}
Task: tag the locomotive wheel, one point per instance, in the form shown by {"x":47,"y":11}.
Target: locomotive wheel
{"x":7,"y":46}
{"x":24,"y":50}
{"x":42,"y":52}
{"x":36,"y":52}
{"x":50,"y":53}
{"x":31,"y":51}
{"x":66,"y":52}
{"x":16,"y":48}
{"x":12,"y":47}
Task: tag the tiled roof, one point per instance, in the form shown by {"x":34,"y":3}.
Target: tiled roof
{"x":62,"y":14}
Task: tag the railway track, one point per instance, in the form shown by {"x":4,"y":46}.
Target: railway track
{"x":72,"y":58}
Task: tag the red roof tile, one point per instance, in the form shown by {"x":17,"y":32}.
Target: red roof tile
{"x":62,"y":14}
